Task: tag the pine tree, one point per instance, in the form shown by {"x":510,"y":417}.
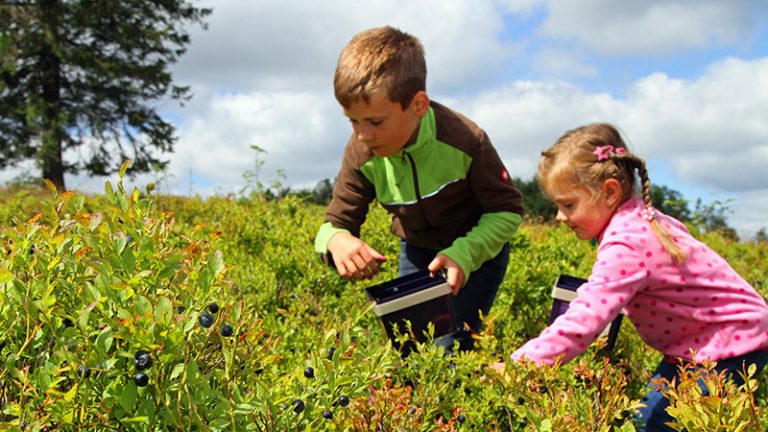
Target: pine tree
{"x":82,"y":75}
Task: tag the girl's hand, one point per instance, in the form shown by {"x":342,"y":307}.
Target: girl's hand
{"x":354,"y":258}
{"x":454,"y":275}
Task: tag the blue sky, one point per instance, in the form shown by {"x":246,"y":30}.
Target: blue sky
{"x":685,"y":80}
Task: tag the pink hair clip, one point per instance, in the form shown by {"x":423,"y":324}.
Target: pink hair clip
{"x":649,"y":213}
{"x":604,"y":152}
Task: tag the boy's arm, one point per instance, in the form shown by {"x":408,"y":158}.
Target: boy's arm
{"x":503,"y":205}
{"x":484,"y":241}
{"x":337,"y":241}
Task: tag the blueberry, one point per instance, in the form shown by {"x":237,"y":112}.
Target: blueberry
{"x":543,"y":389}
{"x":328,"y":414}
{"x":331,"y":350}
{"x":309,"y":372}
{"x":343,"y":400}
{"x":138,"y":354}
{"x":141,"y":379}
{"x":144,"y":361}
{"x":461,"y":418}
{"x":66,"y":323}
{"x":226,"y":330}
{"x":128,"y":239}
{"x":206,"y":320}
{"x":520,"y":400}
{"x":83,"y":371}
{"x":180,"y":309}
{"x":298,"y":406}
{"x":213,"y":308}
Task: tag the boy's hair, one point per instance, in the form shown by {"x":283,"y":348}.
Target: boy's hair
{"x":588,"y":156}
{"x":380,"y":59}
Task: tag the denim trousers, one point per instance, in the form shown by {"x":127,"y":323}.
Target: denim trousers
{"x":477,"y":294}
{"x":652,"y":417}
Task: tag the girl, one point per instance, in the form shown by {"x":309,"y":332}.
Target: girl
{"x":682,"y":297}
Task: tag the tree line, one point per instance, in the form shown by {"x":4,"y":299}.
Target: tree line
{"x":705,"y":217}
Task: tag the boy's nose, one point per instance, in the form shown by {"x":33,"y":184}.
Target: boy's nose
{"x":560,"y":217}
{"x":364,"y":133}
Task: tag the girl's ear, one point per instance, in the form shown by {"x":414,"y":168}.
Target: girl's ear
{"x":612,"y":192}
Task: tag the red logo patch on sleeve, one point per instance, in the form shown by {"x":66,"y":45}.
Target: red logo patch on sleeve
{"x":504,"y":175}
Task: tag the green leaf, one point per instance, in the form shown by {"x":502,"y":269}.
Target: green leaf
{"x":128,"y":396}
{"x":104,"y":341}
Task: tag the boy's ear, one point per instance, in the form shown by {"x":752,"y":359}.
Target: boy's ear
{"x":612,"y":192}
{"x":420,"y":103}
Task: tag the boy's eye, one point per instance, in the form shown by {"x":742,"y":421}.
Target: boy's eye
{"x":375,"y":122}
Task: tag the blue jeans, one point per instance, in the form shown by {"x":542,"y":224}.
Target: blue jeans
{"x":477,"y":294}
{"x":654,"y":415}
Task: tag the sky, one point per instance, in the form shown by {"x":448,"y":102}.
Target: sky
{"x":686,"y":81}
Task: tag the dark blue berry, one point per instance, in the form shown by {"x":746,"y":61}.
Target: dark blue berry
{"x":328,"y":414}
{"x":309,"y":372}
{"x":331,"y":350}
{"x":143,"y":361}
{"x":128,"y":239}
{"x":206,"y":320}
{"x":141,"y":379}
{"x":83,"y":371}
{"x":227,"y":330}
{"x":298,"y":406}
{"x":461,"y":418}
{"x":213,"y":308}
{"x":66,"y":323}
{"x":520,"y":400}
{"x":180,"y":309}
{"x":343,"y":400}
{"x":543,"y":389}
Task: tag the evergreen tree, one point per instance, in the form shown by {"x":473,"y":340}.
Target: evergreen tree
{"x":537,"y":206}
{"x":81,"y":74}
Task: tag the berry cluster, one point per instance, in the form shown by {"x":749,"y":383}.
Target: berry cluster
{"x":309,"y":373}
{"x":206,"y":320}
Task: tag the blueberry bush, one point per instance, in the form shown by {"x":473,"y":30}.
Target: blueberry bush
{"x":131,"y":311}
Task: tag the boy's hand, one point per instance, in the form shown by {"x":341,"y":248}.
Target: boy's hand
{"x":454,"y":275}
{"x":354,"y":258}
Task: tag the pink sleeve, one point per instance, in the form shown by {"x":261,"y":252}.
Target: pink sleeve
{"x":616,"y":277}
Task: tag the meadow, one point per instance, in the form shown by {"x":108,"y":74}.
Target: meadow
{"x":129,"y":310}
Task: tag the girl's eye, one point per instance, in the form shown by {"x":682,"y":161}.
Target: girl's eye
{"x":375,"y":122}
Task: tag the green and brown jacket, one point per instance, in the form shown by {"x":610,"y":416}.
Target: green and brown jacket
{"x":446,"y":190}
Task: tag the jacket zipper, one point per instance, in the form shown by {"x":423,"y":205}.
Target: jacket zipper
{"x":416,"y":188}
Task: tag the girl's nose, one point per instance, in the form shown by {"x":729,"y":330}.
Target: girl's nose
{"x":560,"y":217}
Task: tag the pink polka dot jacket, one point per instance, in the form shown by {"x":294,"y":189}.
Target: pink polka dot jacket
{"x":701,"y":305}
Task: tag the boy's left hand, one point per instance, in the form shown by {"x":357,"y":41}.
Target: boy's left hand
{"x":453,"y":273}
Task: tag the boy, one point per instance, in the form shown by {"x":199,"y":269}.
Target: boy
{"x":452,"y":201}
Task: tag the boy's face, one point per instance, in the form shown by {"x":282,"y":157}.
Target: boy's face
{"x":384,"y":126}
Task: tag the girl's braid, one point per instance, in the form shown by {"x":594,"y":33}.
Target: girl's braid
{"x":678,"y":255}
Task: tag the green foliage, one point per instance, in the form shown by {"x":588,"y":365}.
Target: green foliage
{"x":537,"y":206}
{"x":77,"y":72}
{"x":88,"y":281}
{"x":670,"y":202}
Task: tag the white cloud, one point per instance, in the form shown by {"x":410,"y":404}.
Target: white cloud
{"x":562,"y":63}
{"x":653,"y":26}
{"x":262,"y":75}
{"x":276,"y":45}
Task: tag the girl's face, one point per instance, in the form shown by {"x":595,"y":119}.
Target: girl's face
{"x":585,"y":213}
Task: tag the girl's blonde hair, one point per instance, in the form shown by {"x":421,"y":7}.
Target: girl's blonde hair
{"x":588,"y":156}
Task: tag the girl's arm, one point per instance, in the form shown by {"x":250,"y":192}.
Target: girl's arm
{"x":616,"y":277}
